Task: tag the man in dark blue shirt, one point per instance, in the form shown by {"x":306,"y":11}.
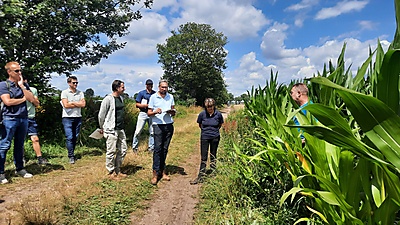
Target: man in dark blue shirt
{"x":14,"y":93}
{"x":142,"y":101}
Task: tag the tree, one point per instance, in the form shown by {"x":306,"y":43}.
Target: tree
{"x":193,"y":59}
{"x":89,"y":93}
{"x":58,"y":36}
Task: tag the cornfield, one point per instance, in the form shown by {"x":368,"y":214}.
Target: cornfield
{"x":349,"y":168}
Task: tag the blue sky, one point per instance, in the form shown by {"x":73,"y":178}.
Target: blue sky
{"x":294,"y":38}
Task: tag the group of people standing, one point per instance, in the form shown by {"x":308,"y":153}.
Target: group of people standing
{"x":156,"y":108}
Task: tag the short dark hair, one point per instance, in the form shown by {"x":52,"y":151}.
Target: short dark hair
{"x":116,"y":84}
{"x":209,"y":102}
{"x":70,"y":78}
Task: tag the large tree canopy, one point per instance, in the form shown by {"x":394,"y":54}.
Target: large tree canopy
{"x":193,"y":59}
{"x":60,"y":36}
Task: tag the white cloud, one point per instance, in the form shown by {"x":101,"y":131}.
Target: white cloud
{"x":236,"y":19}
{"x":273,"y":46}
{"x":302,"y":9}
{"x":367,"y":25}
{"x":340,"y":8}
{"x":251,"y":72}
{"x":144,"y":36}
{"x":304,"y":4}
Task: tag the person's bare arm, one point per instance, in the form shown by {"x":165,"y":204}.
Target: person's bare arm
{"x":67,"y":104}
{"x":151,"y":112}
{"x":36,"y":101}
{"x":8,"y":101}
{"x":80,"y":104}
{"x":27,"y":93}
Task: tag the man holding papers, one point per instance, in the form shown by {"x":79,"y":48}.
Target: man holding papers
{"x":161,"y":109}
{"x":142,"y":101}
{"x":111,"y":121}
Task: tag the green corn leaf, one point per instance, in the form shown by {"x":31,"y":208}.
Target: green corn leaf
{"x":388,"y":80}
{"x":380,"y":124}
{"x":361,"y":72}
{"x":396,"y":41}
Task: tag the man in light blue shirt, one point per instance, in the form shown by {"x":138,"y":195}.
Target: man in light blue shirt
{"x":161,"y":110}
{"x":299,"y":94}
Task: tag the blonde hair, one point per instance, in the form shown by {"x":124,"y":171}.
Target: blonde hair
{"x":8,"y":65}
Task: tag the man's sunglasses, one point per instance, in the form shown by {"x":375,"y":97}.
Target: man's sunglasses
{"x":74,"y":82}
{"x":17,"y":71}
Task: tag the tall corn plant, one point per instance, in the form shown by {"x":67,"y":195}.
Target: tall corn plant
{"x":351,"y":180}
{"x":367,"y":190}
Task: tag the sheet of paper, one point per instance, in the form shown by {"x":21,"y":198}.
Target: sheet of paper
{"x":96,"y":134}
{"x":144,"y":101}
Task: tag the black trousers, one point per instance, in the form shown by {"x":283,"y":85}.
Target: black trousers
{"x":162,"y":137}
{"x":206,"y":144}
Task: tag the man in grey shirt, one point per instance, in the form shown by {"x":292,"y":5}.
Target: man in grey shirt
{"x":72,"y":101}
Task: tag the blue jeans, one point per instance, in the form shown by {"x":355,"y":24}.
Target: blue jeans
{"x":162,"y":137}
{"x":16,"y":128}
{"x":141,"y":121}
{"x":72,"y":127}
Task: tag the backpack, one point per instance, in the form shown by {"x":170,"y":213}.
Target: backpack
{"x":2,"y":103}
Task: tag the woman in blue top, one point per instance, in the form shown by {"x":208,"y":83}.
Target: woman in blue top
{"x":210,"y":121}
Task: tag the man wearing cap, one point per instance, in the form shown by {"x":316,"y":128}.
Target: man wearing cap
{"x":142,"y":101}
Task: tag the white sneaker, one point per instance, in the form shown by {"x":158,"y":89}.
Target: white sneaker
{"x":3,"y":179}
{"x":23,"y":173}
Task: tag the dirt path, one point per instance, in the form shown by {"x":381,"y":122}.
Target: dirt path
{"x":175,"y":201}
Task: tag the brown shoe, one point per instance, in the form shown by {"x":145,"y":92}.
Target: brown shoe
{"x":113,"y":176}
{"x":122,"y":175}
{"x":154,"y":179}
{"x":165,"y":176}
